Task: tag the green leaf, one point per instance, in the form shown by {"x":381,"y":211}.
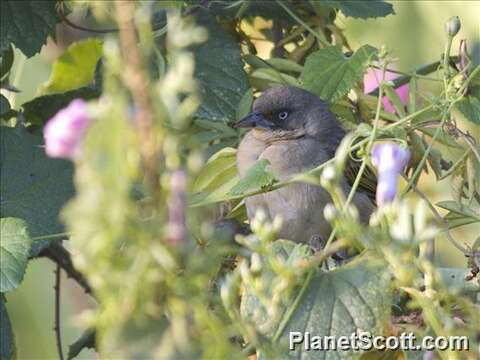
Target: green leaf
{"x":458,"y":209}
{"x":15,"y":244}
{"x":454,"y":280}
{"x":85,"y":341}
{"x":455,"y":220}
{"x":273,"y":77}
{"x":216,"y":178}
{"x":7,"y":341}
{"x":245,"y":105}
{"x":340,"y":302}
{"x":4,"y":105}
{"x":6,"y":61}
{"x":75,"y":67}
{"x":219,"y":72}
{"x":256,"y":178}
{"x":27,"y":24}
{"x":223,"y":160}
{"x":33,"y":187}
{"x":42,"y":108}
{"x":469,"y":107}
{"x":330,"y":74}
{"x":362,"y":9}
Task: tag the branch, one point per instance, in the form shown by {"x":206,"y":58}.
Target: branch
{"x":57,"y":329}
{"x":137,"y":82}
{"x":59,"y":255}
{"x":426,"y":69}
{"x":64,"y":19}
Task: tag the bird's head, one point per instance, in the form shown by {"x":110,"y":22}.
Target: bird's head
{"x":285,"y":112}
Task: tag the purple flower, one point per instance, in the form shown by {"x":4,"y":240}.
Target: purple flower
{"x":63,"y":132}
{"x":390,"y":160}
{"x":372,"y":80}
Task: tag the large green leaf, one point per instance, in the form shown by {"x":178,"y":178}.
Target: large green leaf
{"x":7,"y":341}
{"x":341,"y":302}
{"x":42,"y":108}
{"x":362,"y":9}
{"x":330,"y":74}
{"x":33,"y":187}
{"x":27,"y":24}
{"x":219,"y":72}
{"x":469,"y":107}
{"x":76,"y":67}
{"x":15,"y":243}
{"x":256,"y":178}
{"x":216,"y":178}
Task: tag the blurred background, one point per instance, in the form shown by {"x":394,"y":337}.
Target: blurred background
{"x":414,"y":35}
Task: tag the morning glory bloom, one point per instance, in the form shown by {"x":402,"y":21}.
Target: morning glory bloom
{"x":372,"y":80}
{"x":63,"y":132}
{"x":390,"y":160}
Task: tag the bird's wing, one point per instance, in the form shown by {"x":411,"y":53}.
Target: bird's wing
{"x":368,"y":181}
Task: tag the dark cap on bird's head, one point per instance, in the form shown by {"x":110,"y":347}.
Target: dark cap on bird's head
{"x":284,"y":109}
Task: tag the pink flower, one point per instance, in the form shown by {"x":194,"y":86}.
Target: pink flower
{"x":63,"y":133}
{"x":390,"y":160}
{"x":372,"y":80}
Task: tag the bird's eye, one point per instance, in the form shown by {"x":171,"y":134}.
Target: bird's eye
{"x":282,"y":115}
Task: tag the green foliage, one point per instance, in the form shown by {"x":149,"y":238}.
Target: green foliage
{"x":34,"y":188}
{"x":14,"y":250}
{"x":38,"y":110}
{"x":27,"y":24}
{"x":341,"y":302}
{"x":362,"y":9}
{"x":7,"y":341}
{"x":161,"y":147}
{"x":75,"y":67}
{"x":330,"y":74}
{"x":217,"y":177}
{"x":469,"y":106}
{"x":219,"y":73}
{"x":257,"y":177}
{"x":6,"y":61}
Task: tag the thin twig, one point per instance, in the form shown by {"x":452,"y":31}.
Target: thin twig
{"x":137,"y":82}
{"x":58,"y":254}
{"x":57,"y":328}
{"x":427,"y":69}
{"x":301,"y":22}
{"x":64,"y":19}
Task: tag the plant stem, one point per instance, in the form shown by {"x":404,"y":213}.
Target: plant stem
{"x":137,"y":82}
{"x":59,"y":255}
{"x":426,"y":69}
{"x":52,"y":236}
{"x":57,"y":328}
{"x":305,"y":25}
{"x":291,"y":309}
{"x":420,"y":166}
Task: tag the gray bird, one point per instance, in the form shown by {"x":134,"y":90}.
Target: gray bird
{"x":295,"y":131}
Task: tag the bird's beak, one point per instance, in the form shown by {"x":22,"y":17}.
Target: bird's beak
{"x":255,"y":120}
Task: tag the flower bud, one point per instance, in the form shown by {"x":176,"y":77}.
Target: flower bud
{"x":452,"y":26}
{"x":330,"y":212}
{"x":390,"y":160}
{"x":63,"y":132}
